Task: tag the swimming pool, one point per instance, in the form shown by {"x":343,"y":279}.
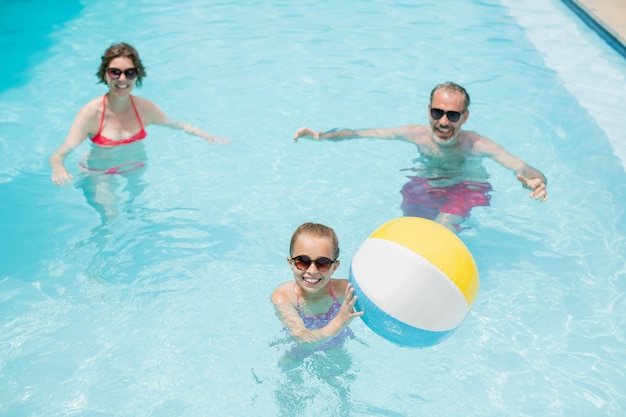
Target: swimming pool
{"x":164,"y":310}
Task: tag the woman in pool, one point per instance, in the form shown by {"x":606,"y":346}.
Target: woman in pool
{"x":115,"y":123}
{"x":315,"y":309}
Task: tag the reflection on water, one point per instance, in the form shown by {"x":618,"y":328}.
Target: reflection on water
{"x":111,"y":178}
{"x":152,"y":245}
{"x":441,"y":188}
{"x":161,"y":307}
{"x":316,"y":385}
{"x":449,"y":172}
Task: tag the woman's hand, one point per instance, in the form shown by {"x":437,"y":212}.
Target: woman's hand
{"x":61,"y":177}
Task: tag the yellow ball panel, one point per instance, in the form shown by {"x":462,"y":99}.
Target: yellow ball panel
{"x":438,"y":245}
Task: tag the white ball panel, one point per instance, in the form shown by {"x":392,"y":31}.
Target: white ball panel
{"x":408,"y":287}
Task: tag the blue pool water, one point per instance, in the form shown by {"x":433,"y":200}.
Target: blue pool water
{"x":164,"y":309}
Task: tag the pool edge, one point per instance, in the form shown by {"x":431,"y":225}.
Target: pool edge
{"x":604,"y":18}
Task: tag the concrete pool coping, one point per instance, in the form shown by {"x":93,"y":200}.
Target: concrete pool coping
{"x":608,"y":15}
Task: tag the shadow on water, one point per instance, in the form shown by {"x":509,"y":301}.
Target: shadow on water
{"x":27,"y":38}
{"x":24,"y":222}
{"x":150,"y":244}
{"x":321,"y":375}
{"x":109,"y":250}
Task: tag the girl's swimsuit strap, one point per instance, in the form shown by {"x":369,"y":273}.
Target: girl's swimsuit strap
{"x":330,"y":290}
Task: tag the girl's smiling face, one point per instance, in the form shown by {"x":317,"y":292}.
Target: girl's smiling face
{"x":311,"y":280}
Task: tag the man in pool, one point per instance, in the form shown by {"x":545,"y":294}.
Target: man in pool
{"x":450,"y":177}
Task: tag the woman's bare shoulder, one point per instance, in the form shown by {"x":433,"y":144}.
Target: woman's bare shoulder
{"x":149,"y":111}
{"x":95,"y":104}
{"x":88,"y":116}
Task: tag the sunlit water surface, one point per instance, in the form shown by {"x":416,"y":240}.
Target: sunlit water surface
{"x":163,"y":309}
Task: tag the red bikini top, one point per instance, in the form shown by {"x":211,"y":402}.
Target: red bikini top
{"x":100,"y":140}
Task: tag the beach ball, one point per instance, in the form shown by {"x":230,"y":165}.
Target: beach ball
{"x":415,"y":280}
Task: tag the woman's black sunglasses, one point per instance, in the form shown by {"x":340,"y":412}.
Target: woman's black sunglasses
{"x":115,"y":73}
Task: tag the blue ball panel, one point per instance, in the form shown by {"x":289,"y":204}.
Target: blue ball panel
{"x":392,"y":329}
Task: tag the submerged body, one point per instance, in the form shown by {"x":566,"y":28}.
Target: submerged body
{"x":438,"y":189}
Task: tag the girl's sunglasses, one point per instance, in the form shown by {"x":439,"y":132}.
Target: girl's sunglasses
{"x":129,"y":73}
{"x":303,"y":262}
{"x":452,"y":115}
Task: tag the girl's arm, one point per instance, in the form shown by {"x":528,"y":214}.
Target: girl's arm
{"x":286,"y":310}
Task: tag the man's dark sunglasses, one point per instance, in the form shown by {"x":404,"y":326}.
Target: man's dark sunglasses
{"x":303,"y":262}
{"x":452,"y":115}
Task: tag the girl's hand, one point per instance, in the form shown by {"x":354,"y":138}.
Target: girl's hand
{"x":347,"y":311}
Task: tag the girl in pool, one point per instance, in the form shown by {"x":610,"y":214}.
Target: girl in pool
{"x":315,"y":309}
{"x":115,"y":119}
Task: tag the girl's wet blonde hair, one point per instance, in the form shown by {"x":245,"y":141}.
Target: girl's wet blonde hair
{"x":316,"y":230}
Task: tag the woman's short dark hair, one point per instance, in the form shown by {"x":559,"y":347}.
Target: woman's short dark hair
{"x":120,"y":50}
